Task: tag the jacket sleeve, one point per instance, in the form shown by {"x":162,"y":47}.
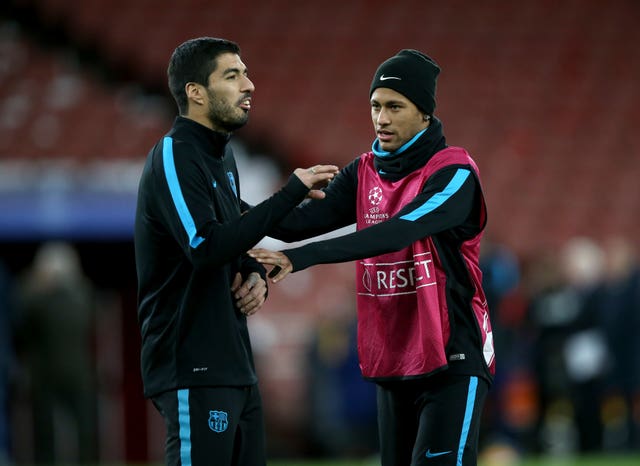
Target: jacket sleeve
{"x":191,"y":217}
{"x":318,"y":216}
{"x":249,"y":265}
{"x":449,"y":203}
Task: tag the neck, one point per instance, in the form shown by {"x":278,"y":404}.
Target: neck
{"x":412,"y":155}
{"x":204,"y":121}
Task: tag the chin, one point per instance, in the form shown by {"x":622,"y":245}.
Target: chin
{"x":389,"y":147}
{"x":236,"y":124}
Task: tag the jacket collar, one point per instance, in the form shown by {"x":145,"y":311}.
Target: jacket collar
{"x":213,"y":142}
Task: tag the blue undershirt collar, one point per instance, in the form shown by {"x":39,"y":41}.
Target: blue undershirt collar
{"x":375,"y":147}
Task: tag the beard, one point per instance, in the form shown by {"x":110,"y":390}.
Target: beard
{"x":225,"y":116}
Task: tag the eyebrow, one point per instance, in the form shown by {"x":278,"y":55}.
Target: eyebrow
{"x":234,"y":70}
{"x":388,"y":102}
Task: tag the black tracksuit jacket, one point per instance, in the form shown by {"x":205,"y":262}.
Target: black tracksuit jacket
{"x":191,"y":233}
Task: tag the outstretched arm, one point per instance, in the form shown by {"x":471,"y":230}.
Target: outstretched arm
{"x":450,"y":202}
{"x":188,"y":212}
{"x":315,"y":217}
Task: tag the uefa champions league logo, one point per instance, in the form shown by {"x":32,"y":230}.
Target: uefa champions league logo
{"x":374,"y":215}
{"x":375,"y":195}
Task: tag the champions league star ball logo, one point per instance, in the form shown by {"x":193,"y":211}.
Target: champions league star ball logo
{"x":374,"y":215}
{"x":375,"y":195}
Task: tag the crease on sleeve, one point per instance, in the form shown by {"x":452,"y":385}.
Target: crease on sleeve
{"x":176,"y":193}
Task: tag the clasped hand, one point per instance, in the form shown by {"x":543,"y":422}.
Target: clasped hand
{"x":281,"y":264}
{"x":251,"y":294}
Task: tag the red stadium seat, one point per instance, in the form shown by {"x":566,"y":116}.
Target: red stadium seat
{"x":545,"y":111}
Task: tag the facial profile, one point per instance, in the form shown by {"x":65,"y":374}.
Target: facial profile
{"x":229,"y":94}
{"x":222,"y":104}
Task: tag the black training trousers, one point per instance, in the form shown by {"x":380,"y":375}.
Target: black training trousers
{"x":430,"y":422}
{"x":213,"y":425}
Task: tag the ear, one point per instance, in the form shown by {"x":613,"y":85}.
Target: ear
{"x":195,"y":93}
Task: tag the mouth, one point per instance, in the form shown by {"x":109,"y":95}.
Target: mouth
{"x":245,"y":103}
{"x":384,"y":136}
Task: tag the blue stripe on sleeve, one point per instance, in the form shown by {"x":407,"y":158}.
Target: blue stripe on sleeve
{"x":184,"y":423}
{"x":468,"y":414}
{"x":176,"y":193}
{"x":439,"y":198}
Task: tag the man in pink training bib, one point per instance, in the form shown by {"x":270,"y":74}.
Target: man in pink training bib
{"x":424,"y":333}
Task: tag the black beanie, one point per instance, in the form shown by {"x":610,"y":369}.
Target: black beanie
{"x":412,"y":74}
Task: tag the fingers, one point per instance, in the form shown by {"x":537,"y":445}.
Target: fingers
{"x":254,"y":300}
{"x":321,"y":169}
{"x":246,"y":286}
{"x":316,"y":194}
{"x":316,"y":176}
{"x":237,"y":281}
{"x":279,"y":273}
{"x":264,"y":256}
{"x":251,"y":295}
{"x":282,"y":264}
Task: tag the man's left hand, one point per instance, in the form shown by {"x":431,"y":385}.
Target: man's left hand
{"x":251,"y":294}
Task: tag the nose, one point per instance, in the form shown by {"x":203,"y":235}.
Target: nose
{"x":383,"y":117}
{"x":248,"y":85}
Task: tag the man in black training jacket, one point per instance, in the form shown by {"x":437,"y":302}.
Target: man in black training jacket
{"x":196,"y":285}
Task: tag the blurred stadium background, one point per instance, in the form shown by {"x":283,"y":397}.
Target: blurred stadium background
{"x":544,"y":94}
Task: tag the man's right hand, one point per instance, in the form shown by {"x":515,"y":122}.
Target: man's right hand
{"x":316,"y":177}
{"x":281,"y":264}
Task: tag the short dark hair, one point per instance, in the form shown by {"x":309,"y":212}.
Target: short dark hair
{"x":193,"y":61}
